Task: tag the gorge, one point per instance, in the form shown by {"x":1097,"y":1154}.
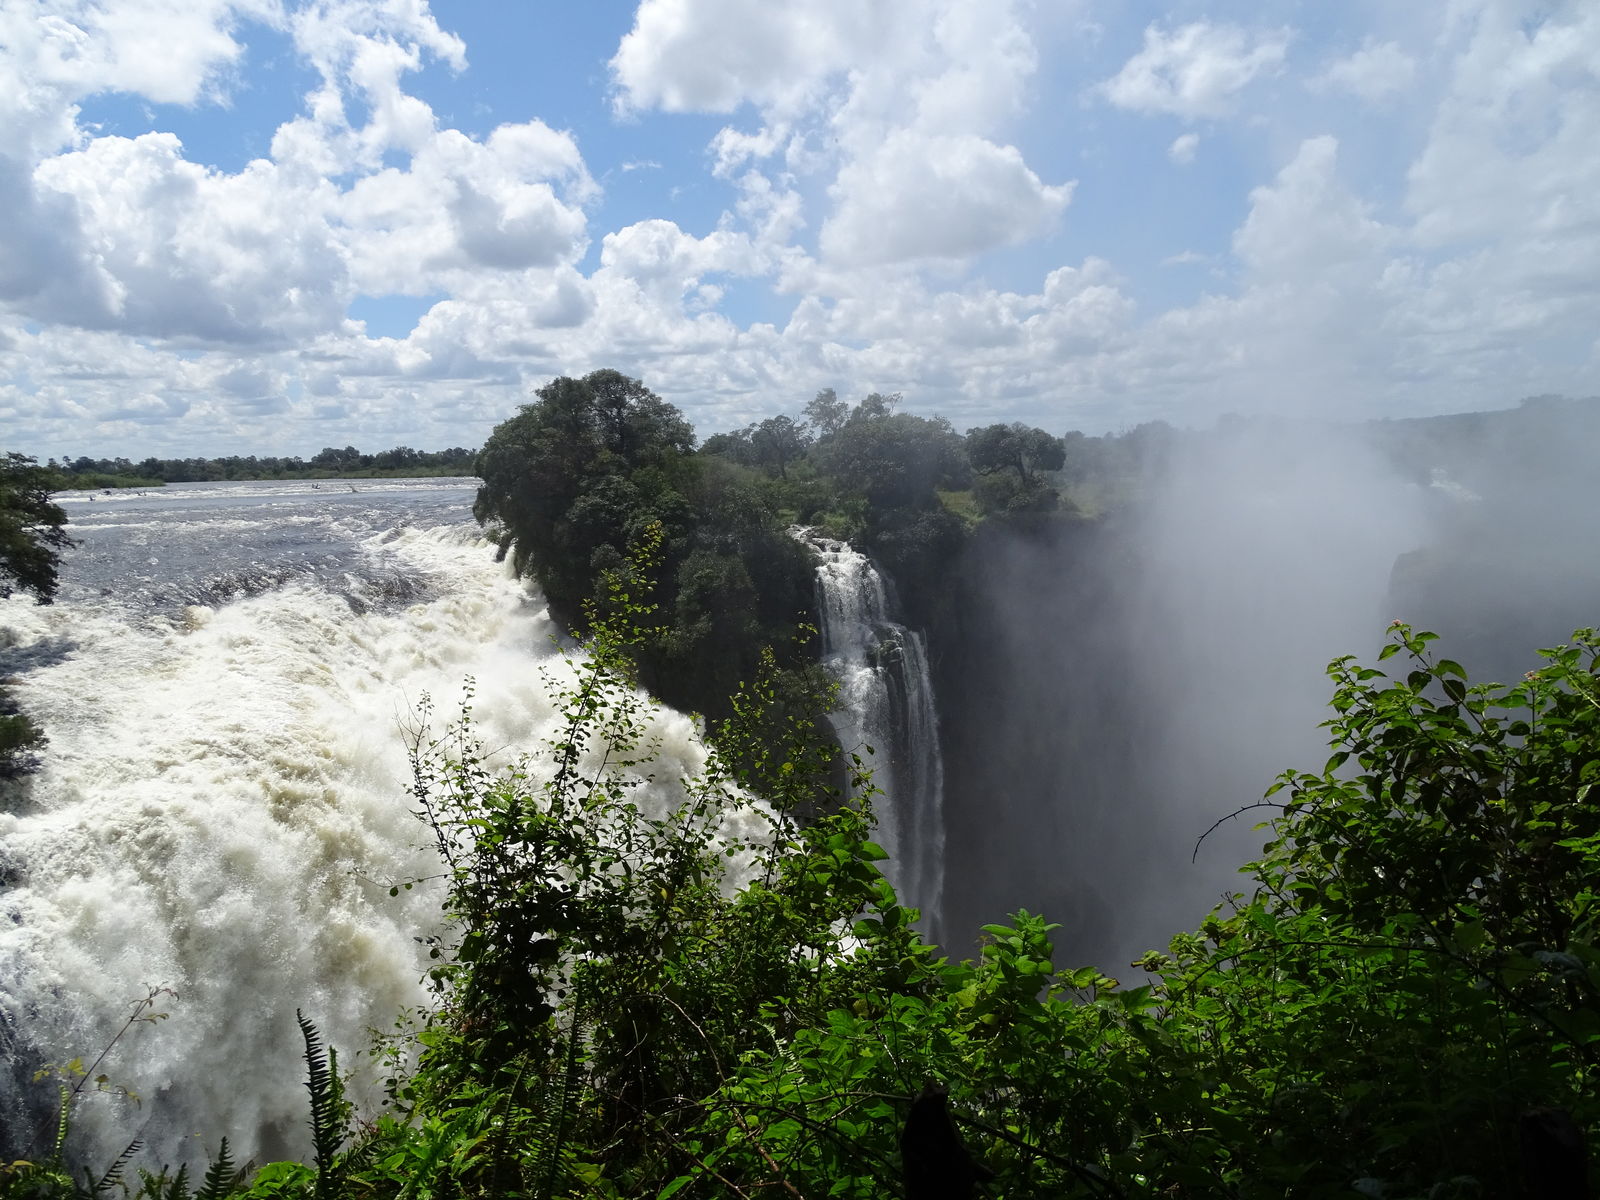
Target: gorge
{"x":223,"y":807}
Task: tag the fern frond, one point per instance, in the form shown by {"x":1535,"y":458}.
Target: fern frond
{"x":327,"y":1132}
{"x":556,"y":1110}
{"x":61,"y":1124}
{"x":178,"y":1188}
{"x":220,"y":1175}
{"x":113,"y":1175}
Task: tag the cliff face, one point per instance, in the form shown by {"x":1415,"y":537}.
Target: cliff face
{"x":1047,"y":736}
{"x":1104,"y":700}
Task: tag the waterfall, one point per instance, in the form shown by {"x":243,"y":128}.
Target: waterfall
{"x":223,"y":807}
{"x":885,"y":702}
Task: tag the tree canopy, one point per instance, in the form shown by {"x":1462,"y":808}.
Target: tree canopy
{"x":1404,"y":1000}
{"x":579,"y":477}
{"x":32,"y":529}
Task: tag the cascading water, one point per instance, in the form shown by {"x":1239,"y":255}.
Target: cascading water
{"x":223,"y":804}
{"x":886,"y":702}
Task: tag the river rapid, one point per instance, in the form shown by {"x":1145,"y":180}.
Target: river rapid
{"x":222,"y":807}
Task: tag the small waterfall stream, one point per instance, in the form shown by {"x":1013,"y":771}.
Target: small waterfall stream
{"x":886,"y":702}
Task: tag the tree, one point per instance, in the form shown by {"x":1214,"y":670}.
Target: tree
{"x":633,"y":422}
{"x":893,"y":460}
{"x":875,"y":407}
{"x":735,"y":446}
{"x":826,"y":413}
{"x":31,"y":533}
{"x":577,"y":473}
{"x":777,"y":442}
{"x":1017,"y":447}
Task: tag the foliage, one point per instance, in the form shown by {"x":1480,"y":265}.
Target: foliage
{"x":826,"y":413}
{"x":567,"y":498}
{"x":20,"y":739}
{"x":32,"y":537}
{"x":32,"y":533}
{"x":1017,"y":447}
{"x":894,"y":460}
{"x":574,"y":483}
{"x":718,"y":999}
{"x":771,"y":444}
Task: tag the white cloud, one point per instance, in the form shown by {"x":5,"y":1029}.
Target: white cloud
{"x":55,"y":54}
{"x":138,"y":286}
{"x":129,"y":234}
{"x":713,"y":55}
{"x":925,"y":196}
{"x":1375,"y":72}
{"x":44,"y":270}
{"x":1510,"y":151}
{"x":666,"y":262}
{"x":1196,"y":70}
{"x":180,"y":251}
{"x":363,"y":48}
{"x":899,"y":104}
{"x":1305,"y":226}
{"x":463,"y":205}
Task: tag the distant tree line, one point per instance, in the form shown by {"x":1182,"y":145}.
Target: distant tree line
{"x":330,"y":461}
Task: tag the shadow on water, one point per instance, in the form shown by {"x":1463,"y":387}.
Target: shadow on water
{"x":18,"y":660}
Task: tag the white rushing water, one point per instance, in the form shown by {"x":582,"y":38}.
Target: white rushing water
{"x":886,"y":702}
{"x":222,"y":809}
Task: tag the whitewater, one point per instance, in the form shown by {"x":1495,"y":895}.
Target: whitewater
{"x":222,"y":807}
{"x":886,"y":713}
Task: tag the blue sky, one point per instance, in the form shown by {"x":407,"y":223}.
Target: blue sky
{"x":269,"y":226}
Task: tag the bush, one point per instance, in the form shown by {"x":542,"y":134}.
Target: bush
{"x":19,"y":738}
{"x":638,"y":1002}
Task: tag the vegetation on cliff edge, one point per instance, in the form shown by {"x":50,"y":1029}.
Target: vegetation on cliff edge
{"x":723,"y":1001}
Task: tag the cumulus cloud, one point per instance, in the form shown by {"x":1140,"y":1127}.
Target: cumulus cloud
{"x":1305,"y":225}
{"x":927,"y":196}
{"x":363,"y":49}
{"x":713,"y":55}
{"x":1510,"y":147}
{"x":181,"y":251}
{"x":137,"y":284}
{"x":661,"y":255}
{"x":55,"y":54}
{"x":1375,"y":72}
{"x":1196,"y":70}
{"x":128,"y":234}
{"x":43,"y":268}
{"x":897,"y":106}
{"x":462,"y":205}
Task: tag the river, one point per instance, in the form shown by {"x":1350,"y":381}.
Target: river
{"x":222,"y":809}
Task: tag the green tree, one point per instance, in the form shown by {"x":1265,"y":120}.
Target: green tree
{"x":777,"y":442}
{"x":1015,"y":447}
{"x":32,"y":537}
{"x":893,"y":459}
{"x":574,"y":481}
{"x":32,"y":529}
{"x":577,"y":474}
{"x":826,"y":413}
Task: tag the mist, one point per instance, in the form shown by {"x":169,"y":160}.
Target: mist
{"x":1125,"y":684}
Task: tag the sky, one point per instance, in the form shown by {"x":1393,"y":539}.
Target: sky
{"x":266,"y":226}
